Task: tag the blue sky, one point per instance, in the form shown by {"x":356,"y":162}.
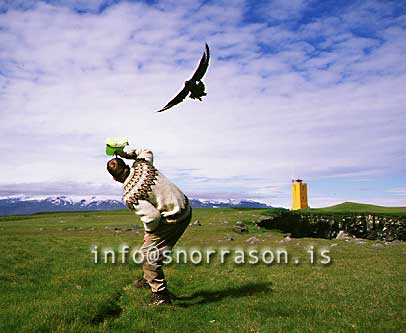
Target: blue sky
{"x":309,"y":89}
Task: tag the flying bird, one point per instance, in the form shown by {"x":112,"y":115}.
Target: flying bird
{"x":194,"y":86}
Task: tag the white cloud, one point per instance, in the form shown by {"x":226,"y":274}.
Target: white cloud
{"x":399,"y":190}
{"x":320,"y":100}
{"x":280,"y":10}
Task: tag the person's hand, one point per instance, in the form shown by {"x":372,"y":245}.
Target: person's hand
{"x":132,"y":155}
{"x":120,"y":153}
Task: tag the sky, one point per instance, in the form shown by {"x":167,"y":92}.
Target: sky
{"x":296,"y":89}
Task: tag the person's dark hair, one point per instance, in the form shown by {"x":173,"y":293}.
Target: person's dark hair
{"x":116,"y":167}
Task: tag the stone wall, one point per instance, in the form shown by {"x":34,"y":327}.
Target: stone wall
{"x":369,"y":226}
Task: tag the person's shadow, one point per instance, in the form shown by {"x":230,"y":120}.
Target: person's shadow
{"x":209,"y":296}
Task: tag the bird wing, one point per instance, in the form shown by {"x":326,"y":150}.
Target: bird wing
{"x":177,"y":99}
{"x":202,"y":68}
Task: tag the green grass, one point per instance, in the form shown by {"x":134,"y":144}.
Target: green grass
{"x":354,"y":207}
{"x":49,"y":283}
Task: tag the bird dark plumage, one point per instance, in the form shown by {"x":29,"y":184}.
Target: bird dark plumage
{"x":194,"y":86}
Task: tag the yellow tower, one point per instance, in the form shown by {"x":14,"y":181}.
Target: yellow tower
{"x":299,"y":195}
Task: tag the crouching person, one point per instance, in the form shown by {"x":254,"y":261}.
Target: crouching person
{"x":163,"y":208}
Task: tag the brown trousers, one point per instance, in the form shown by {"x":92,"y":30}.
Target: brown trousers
{"x":162,"y":239}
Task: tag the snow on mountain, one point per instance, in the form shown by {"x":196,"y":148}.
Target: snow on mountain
{"x":24,"y":205}
{"x":29,"y":205}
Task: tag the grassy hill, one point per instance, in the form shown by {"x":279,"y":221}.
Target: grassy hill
{"x":354,"y":207}
{"x":50,"y":283}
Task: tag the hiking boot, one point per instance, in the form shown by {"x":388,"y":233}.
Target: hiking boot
{"x":141,"y":283}
{"x":160,"y":298}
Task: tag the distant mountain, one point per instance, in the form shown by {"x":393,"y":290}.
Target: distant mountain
{"x":12,"y":206}
{"x":220,"y":204}
{"x":16,"y":206}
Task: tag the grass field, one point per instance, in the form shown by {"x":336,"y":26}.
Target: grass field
{"x":354,"y":207}
{"x":49,"y":281}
